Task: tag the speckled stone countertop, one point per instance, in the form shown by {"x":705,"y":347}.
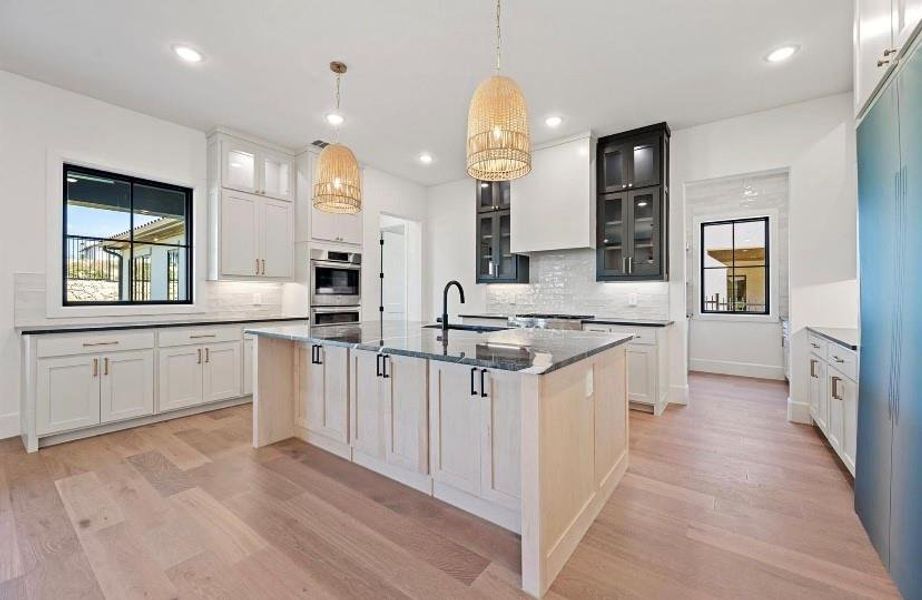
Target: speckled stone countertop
{"x":533,"y":351}
{"x":844,"y":336}
{"x":598,"y":320}
{"x":192,"y":322}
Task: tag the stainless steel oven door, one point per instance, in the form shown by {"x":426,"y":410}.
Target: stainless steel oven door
{"x":330,"y":316}
{"x":335,"y":283}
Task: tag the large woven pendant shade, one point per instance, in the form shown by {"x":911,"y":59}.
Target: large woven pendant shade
{"x":498,"y":144}
{"x":338,"y":183}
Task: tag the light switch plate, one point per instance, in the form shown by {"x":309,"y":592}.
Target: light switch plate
{"x":632,"y":299}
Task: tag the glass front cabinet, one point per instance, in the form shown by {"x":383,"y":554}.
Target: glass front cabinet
{"x":633,"y":205}
{"x":495,"y":261}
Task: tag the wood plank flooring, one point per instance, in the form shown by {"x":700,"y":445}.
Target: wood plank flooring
{"x":723,"y":499}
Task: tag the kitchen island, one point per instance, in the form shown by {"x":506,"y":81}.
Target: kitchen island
{"x":526,"y":428}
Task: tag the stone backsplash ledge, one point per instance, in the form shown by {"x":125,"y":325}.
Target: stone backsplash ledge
{"x":564,"y":281}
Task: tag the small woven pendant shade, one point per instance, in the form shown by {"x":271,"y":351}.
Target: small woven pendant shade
{"x":498,"y":144}
{"x":338,"y":183}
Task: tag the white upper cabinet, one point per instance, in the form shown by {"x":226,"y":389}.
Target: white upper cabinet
{"x":322,"y":226}
{"x":882,"y":29}
{"x":553,"y":207}
{"x":246,"y":166}
{"x":254,"y":237}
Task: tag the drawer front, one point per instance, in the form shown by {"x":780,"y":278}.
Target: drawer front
{"x":817,"y":345}
{"x":843,"y":359}
{"x":642,"y":335}
{"x":92,"y":343}
{"x":185,"y":336}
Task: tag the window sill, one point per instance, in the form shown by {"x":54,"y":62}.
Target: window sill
{"x":737,"y":317}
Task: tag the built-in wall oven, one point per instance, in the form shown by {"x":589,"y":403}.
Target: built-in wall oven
{"x":336,"y":278}
{"x":329,"y":316}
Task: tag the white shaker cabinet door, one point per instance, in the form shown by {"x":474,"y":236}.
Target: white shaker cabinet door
{"x":455,"y":417}
{"x":323,"y":398}
{"x":501,"y":475}
{"x":641,"y":365}
{"x":67,"y":393}
{"x":180,"y":378}
{"x":407,"y":412}
{"x":276,"y":175}
{"x":239,"y":166}
{"x":239,"y":237}
{"x":368,"y":403}
{"x":221,"y":375}
{"x":127,"y":385}
{"x":277,"y":238}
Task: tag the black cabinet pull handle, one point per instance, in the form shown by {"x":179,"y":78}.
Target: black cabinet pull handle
{"x":313,"y":354}
{"x":483,"y":372}
{"x":317,"y":350}
{"x":384,"y":374}
{"x":473,"y":371}
{"x":378,"y":365}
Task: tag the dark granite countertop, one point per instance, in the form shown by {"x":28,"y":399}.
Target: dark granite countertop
{"x":533,"y":351}
{"x":844,"y":336}
{"x":599,"y":320}
{"x":71,"y":328}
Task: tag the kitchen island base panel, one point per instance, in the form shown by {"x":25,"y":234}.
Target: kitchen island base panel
{"x":275,"y":368}
{"x":340,"y":449}
{"x":575,"y":435}
{"x":418,"y":481}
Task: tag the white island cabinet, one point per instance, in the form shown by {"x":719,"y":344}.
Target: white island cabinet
{"x":833,"y":369}
{"x":525,"y":428}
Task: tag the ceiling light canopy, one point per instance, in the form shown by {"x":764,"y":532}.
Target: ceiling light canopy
{"x":188,"y":53}
{"x":498,"y":143}
{"x":337,"y":181}
{"x":782,"y":54}
{"x":553,"y":121}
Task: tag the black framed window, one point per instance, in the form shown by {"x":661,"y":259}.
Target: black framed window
{"x":126,"y":240}
{"x":735,"y":267}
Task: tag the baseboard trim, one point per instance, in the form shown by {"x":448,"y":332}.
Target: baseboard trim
{"x":499,"y":515}
{"x":678,"y":394}
{"x":799,"y":412}
{"x":9,"y":425}
{"x":740,"y":369}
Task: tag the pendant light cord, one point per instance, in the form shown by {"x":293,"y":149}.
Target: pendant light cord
{"x":499,"y":38}
{"x":336,"y":129}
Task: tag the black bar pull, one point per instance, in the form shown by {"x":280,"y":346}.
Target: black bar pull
{"x":483,"y":372}
{"x":384,"y":358}
{"x":378,"y":365}
{"x":473,"y":371}
{"x":313,"y":354}
{"x":319,"y":362}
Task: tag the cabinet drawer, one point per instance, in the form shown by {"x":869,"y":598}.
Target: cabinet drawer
{"x":843,"y":359}
{"x":817,"y":345}
{"x":84,"y":343}
{"x":642,"y":335}
{"x":184,"y":336}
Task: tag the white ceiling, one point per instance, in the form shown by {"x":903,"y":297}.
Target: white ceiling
{"x":605,"y":65}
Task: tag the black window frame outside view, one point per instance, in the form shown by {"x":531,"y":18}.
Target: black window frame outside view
{"x":132,"y":181}
{"x":732,"y":269}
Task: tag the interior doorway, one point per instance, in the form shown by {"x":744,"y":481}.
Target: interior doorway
{"x":400,"y":274}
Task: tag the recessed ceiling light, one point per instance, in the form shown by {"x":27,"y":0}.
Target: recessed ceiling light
{"x":335,"y":119}
{"x":553,"y":121}
{"x":188,"y":53}
{"x":782,"y":54}
{"x":425,"y":158}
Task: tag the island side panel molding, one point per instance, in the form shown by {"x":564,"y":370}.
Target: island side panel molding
{"x":275,"y":369}
{"x":574,"y":453}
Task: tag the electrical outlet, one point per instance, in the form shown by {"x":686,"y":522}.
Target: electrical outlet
{"x":257,"y":299}
{"x":632,"y":299}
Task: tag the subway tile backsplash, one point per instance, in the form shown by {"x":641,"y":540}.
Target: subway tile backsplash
{"x":564,"y":281}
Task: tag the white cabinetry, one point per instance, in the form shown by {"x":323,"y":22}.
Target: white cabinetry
{"x":67,"y":393}
{"x":250,"y":167}
{"x":322,"y":226}
{"x":126,"y":385}
{"x":323,"y":396}
{"x":833,"y":371}
{"x":648,"y":371}
{"x":199,"y":366}
{"x":475,"y":439}
{"x":882,"y":30}
{"x":553,"y":207}
{"x":254,"y":238}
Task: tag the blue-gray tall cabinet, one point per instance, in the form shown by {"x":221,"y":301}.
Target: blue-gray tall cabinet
{"x":888,"y":472}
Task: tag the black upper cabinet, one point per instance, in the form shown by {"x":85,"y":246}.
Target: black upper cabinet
{"x":495,"y":261}
{"x":633,"y":205}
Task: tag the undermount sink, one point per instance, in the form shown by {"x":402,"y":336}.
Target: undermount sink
{"x":477,"y":328}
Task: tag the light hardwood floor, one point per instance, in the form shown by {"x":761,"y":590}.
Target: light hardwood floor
{"x":723,"y":499}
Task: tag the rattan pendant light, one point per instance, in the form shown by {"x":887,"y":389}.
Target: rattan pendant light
{"x":337,"y":180}
{"x":498,"y":144}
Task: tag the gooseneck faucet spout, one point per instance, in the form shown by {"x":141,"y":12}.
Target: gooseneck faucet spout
{"x":445,"y":301}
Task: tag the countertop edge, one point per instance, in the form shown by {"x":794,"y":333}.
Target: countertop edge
{"x":832,"y":338}
{"x":153,"y":325}
{"x":599,"y":320}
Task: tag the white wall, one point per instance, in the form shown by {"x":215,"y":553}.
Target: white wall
{"x":391,"y":195}
{"x":815,"y":141}
{"x":450,"y":247}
